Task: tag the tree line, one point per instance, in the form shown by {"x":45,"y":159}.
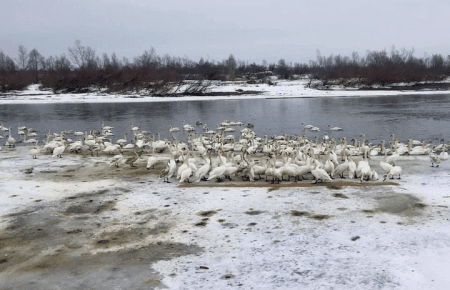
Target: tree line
{"x":379,"y":68}
{"x":82,"y":69}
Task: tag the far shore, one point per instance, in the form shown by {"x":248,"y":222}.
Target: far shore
{"x":219,"y":91}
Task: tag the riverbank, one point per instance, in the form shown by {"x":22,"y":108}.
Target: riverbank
{"x":76,"y":222}
{"x":219,"y":90}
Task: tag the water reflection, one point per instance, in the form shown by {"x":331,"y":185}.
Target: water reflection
{"x":416,"y":116}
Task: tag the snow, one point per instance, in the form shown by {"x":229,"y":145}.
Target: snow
{"x":253,"y":241}
{"x":283,"y":89}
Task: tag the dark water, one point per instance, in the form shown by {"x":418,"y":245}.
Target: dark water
{"x":417,"y":117}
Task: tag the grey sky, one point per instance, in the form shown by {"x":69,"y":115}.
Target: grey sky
{"x":251,"y":30}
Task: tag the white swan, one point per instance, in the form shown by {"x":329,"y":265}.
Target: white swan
{"x":35,"y":151}
{"x":335,"y":128}
{"x":186,"y":173}
{"x":203,"y":170}
{"x":395,"y":170}
{"x":320,"y":174}
{"x":394,"y":157}
{"x":340,"y":169}
{"x":123,"y":140}
{"x":169,"y":171}
{"x":58,"y":151}
{"x":385,"y":165}
{"x":217,"y":172}
{"x":351,"y":168}
{"x":134,"y":128}
{"x":172,"y":129}
{"x":435,"y":159}
{"x":11,"y":141}
{"x":115,"y":160}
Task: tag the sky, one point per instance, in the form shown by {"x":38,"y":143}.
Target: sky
{"x":252,"y":31}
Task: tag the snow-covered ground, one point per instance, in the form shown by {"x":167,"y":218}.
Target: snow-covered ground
{"x":283,"y":89}
{"x":76,"y":222}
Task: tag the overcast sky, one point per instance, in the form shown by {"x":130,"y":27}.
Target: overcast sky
{"x":250,"y":30}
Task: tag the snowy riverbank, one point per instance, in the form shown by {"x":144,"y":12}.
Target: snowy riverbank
{"x":76,"y":222}
{"x":283,"y":89}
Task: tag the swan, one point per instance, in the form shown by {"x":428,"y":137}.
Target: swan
{"x":435,"y":159}
{"x":361,"y":164}
{"x":29,"y":141}
{"x":110,"y":149}
{"x":394,"y":171}
{"x":170,"y":169}
{"x":256,"y":169}
{"x":188,"y":127}
{"x":385,"y":165}
{"x":328,"y":165}
{"x":340,"y":169}
{"x":152,"y":160}
{"x":75,"y":146}
{"x":315,"y":129}
{"x":35,"y":151}
{"x":273,"y":172}
{"x":203,"y":171}
{"x":97,"y":148}
{"x":132,"y":159}
{"x":159,"y":145}
{"x":351,"y":167}
{"x":217,"y":172}
{"x":11,"y":141}
{"x":418,"y":150}
{"x":176,"y":129}
{"x":335,"y":128}
{"x":320,"y":174}
{"x":133,"y":128}
{"x":394,"y":157}
{"x":58,"y":151}
{"x":444,"y":154}
{"x":288,"y":169}
{"x":106,"y":127}
{"x":368,"y":174}
{"x":115,"y":160}
{"x":123,"y":140}
{"x":186,"y":173}
{"x":185,"y":164}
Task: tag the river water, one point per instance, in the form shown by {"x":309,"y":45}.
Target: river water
{"x":417,"y":117}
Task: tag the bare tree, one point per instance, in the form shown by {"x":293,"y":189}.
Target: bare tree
{"x":115,"y":62}
{"x":34,"y":61}
{"x":231,"y":67}
{"x":22,"y":58}
{"x":83,"y":57}
{"x":106,"y":61}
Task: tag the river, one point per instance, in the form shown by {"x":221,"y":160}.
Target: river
{"x":417,"y":117}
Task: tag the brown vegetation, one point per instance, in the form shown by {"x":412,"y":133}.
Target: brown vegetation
{"x":151,"y":74}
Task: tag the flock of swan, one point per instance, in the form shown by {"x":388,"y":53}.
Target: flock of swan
{"x":214,"y":155}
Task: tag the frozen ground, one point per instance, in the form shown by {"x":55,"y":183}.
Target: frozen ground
{"x":283,"y":89}
{"x":76,"y":223}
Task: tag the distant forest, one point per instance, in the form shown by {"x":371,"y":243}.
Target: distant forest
{"x":82,"y":69}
